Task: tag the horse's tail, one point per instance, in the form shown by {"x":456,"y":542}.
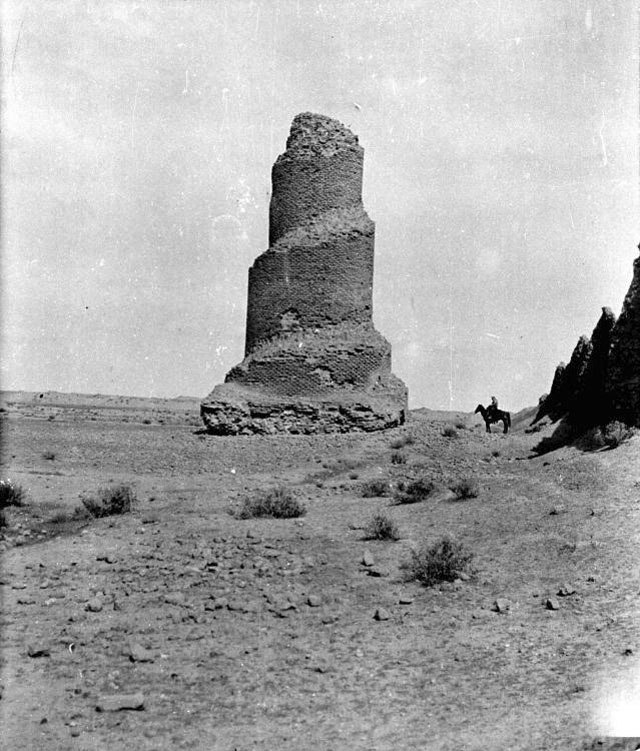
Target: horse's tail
{"x":508,"y":414}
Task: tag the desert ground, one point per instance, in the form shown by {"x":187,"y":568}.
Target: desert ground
{"x":262,"y":633}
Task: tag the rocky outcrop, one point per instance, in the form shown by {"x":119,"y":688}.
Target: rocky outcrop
{"x":588,"y":405}
{"x":623,"y":371}
{"x":566,"y":382}
{"x":314,"y":362}
{"x":602,"y":381}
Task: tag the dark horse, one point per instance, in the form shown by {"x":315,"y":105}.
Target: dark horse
{"x":495,"y":416}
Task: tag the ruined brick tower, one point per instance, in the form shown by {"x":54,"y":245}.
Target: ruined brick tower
{"x":313,"y":363}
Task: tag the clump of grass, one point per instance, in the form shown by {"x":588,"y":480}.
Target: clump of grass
{"x":381,"y":527}
{"x":353,"y":475}
{"x":375,"y":488}
{"x":460,"y":424}
{"x":11,"y":494}
{"x":413,"y":492}
{"x":278,"y":503}
{"x":49,"y":456}
{"x":442,"y":561}
{"x":467,"y":487}
{"x":117,"y":499}
{"x":449,"y":431}
{"x":495,"y":453}
{"x":398,"y":458}
{"x":402,"y":441}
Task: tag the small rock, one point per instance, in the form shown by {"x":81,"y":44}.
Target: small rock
{"x":377,"y":571}
{"x":551,"y":603}
{"x":501,"y":605}
{"x":330,"y":617}
{"x":405,"y":599}
{"x":18,"y":585}
{"x":314,"y":601}
{"x":138,"y":653}
{"x":382,"y":614}
{"x":555,"y":510}
{"x":94,"y":605}
{"x":107,"y":558}
{"x":566,"y":591}
{"x":175,"y":598}
{"x":26,"y":601}
{"x":38,"y":651}
{"x":367,"y":558}
{"x":116,"y":702}
{"x":627,"y":652}
{"x":463,"y":576}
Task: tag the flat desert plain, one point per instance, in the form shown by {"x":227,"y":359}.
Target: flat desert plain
{"x":262,"y":633}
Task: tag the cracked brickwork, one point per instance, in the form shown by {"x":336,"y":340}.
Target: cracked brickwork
{"x":313,"y":359}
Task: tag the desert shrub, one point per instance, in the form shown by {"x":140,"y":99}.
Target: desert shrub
{"x":49,"y":456}
{"x":616,"y":433}
{"x":398,"y":458}
{"x":445,"y":560}
{"x":11,"y":494}
{"x":413,"y":492}
{"x":278,"y":503}
{"x":353,"y":475}
{"x":64,"y":517}
{"x":375,"y":488}
{"x":449,"y":431}
{"x":467,"y":487}
{"x":460,"y":424}
{"x":381,"y":527}
{"x":110,"y":501}
{"x":402,"y":441}
{"x":495,"y":453}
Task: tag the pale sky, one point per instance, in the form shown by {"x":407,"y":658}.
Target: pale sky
{"x":501,"y":169}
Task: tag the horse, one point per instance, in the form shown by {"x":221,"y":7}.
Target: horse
{"x":496,"y":416}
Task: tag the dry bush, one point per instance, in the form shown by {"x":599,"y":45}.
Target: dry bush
{"x":442,"y":561}
{"x":413,"y":492}
{"x":11,"y":494}
{"x":381,"y":527}
{"x":49,"y":456}
{"x":375,"y":488}
{"x":449,"y":431}
{"x":402,"y":441}
{"x":467,"y":487}
{"x":110,"y":501}
{"x":616,"y":433}
{"x":398,"y":458}
{"x":278,"y":503}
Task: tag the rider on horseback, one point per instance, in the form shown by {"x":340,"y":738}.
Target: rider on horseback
{"x":492,"y":409}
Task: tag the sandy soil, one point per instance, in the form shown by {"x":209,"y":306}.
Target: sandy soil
{"x":209,"y":616}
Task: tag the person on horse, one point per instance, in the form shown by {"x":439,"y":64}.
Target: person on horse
{"x":492,"y":409}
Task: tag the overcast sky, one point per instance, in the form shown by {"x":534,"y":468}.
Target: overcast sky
{"x":501,"y":169}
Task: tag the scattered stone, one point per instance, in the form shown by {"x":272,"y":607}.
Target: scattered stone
{"x":382,"y":614}
{"x":107,"y":558}
{"x":367,"y":558}
{"x":627,"y":652}
{"x":330,"y":617}
{"x":117,"y":702}
{"x":38,"y":651}
{"x":138,"y":653}
{"x":405,"y":600}
{"x":314,"y":601}
{"x":551,"y":603}
{"x":26,"y":601}
{"x":94,"y":605}
{"x":566,"y":591}
{"x":501,"y":605}
{"x":555,"y":510}
{"x":18,"y":585}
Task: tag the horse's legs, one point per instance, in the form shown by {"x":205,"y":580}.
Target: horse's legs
{"x":488,"y":424}
{"x":506,"y":426}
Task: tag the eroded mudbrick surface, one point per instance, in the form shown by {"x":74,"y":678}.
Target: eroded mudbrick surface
{"x":314,"y":362}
